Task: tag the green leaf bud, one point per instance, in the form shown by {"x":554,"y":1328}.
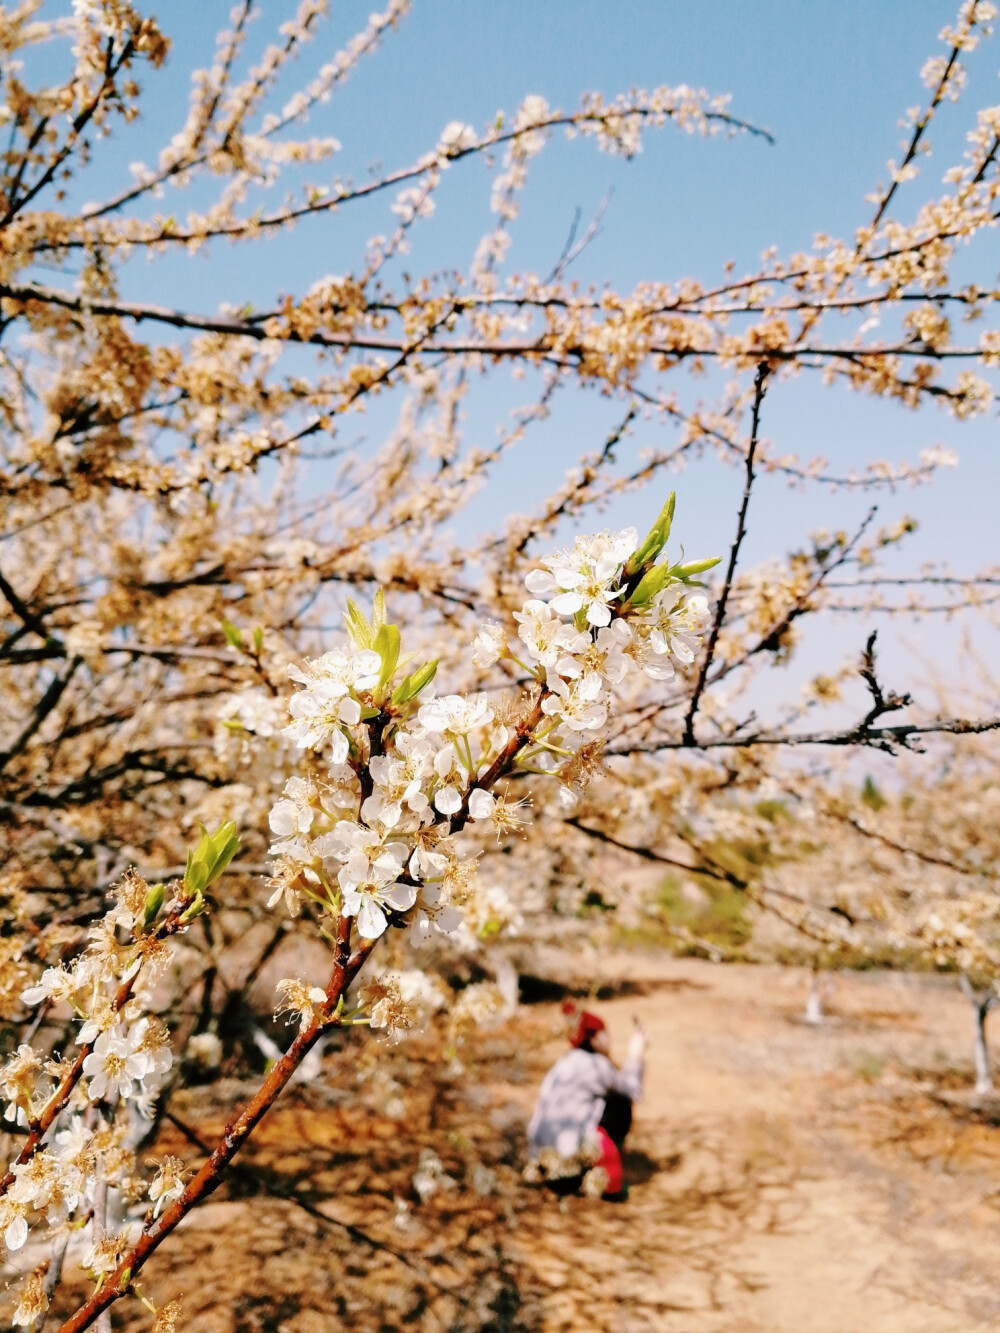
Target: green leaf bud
{"x":655,"y":539}
{"x":688,"y":571}
{"x":387,"y":646}
{"x":207,"y":861}
{"x":193,"y":909}
{"x":652,"y":582}
{"x":231,"y":634}
{"x":151,"y":908}
{"x":357,"y":625}
{"x":410,"y":686}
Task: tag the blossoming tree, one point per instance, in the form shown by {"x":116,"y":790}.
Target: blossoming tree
{"x":169,"y":557}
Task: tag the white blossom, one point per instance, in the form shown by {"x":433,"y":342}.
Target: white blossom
{"x":117,"y":1062}
{"x":490,"y":644}
{"x":455,"y":137}
{"x":481,"y":804}
{"x":294,"y":813}
{"x":55,"y":984}
{"x":456,"y":714}
{"x":585,"y":577}
{"x":547,"y":638}
{"x":432,"y":913}
{"x":581,"y":704}
{"x":607,"y":654}
{"x":679,"y":623}
{"x":13,"y":1223}
{"x":369,"y":887}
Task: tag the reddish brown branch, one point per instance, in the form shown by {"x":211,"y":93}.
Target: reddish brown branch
{"x":208,"y":1178}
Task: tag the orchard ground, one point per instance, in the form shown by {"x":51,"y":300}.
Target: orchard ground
{"x":783,"y":1177}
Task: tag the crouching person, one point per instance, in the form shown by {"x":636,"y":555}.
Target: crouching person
{"x":584,"y":1111}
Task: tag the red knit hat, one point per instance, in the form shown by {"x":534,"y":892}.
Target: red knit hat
{"x":587,"y":1026}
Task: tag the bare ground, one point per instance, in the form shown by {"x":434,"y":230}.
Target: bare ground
{"x":784,"y":1179}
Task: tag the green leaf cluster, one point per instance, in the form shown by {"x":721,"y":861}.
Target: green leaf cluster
{"x":233,"y":635}
{"x":644,"y":576}
{"x":379,"y":635}
{"x":206,"y":862}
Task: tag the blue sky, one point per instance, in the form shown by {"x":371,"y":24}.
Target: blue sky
{"x":829,"y":78}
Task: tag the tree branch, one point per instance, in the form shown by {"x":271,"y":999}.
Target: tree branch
{"x":207,"y":1179}
{"x":760,"y":388}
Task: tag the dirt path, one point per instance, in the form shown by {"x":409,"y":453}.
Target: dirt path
{"x":785,"y":1179}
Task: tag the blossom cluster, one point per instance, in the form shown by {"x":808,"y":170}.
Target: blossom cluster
{"x":126,"y":1057}
{"x":376,"y":832}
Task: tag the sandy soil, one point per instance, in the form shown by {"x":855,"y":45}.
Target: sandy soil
{"x":784,"y":1178}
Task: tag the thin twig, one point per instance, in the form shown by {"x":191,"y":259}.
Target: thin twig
{"x":760,"y":388}
{"x":573,"y":248}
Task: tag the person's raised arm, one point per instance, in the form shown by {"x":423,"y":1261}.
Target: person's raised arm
{"x":628,"y":1079}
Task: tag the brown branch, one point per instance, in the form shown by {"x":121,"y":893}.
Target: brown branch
{"x":881,"y":702}
{"x":928,"y":858}
{"x":80,"y":122}
{"x":713,"y":869}
{"x":767,"y":640}
{"x":760,"y":388}
{"x":543,"y":348}
{"x":647,"y":854}
{"x":573,"y":248}
{"x":24,"y":613}
{"x":880,"y":738}
{"x":345,"y":196}
{"x":46,"y":704}
{"x":503,"y":763}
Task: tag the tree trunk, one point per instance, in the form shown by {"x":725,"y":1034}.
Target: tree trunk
{"x":982,"y":1002}
{"x":814,"y":1000}
{"x":507,"y":981}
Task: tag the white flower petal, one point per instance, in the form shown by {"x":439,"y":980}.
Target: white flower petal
{"x":371,"y":920}
{"x":598,"y":614}
{"x":540,"y":581}
{"x":349,"y":711}
{"x":567,"y":603}
{"x":447,"y":919}
{"x":401,"y":896}
{"x":448,"y":800}
{"x":481,"y":804}
{"x":16,"y":1234}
